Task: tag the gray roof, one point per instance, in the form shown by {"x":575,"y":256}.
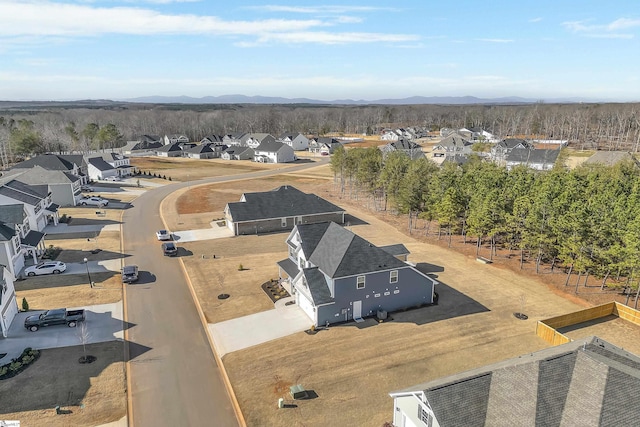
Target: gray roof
{"x":584,"y":382}
{"x":285,"y":201}
{"x":511,"y":143}
{"x":47,"y":161}
{"x":395,"y":250}
{"x":100,"y":164}
{"x":174,"y":146}
{"x":271,"y":146}
{"x":289,"y":267}
{"x":39,"y":175}
{"x":523,"y":155}
{"x":338,"y":252}
{"x":141,"y":145}
{"x":609,"y":158}
{"x":454,"y":141}
{"x":6,"y":233}
{"x":318,"y":287}
{"x":12,"y":214}
{"x":33,"y":238}
{"x":202,"y":148}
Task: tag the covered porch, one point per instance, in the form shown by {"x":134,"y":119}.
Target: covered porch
{"x":33,"y":244}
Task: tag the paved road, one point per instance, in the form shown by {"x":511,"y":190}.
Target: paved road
{"x":174,"y":377}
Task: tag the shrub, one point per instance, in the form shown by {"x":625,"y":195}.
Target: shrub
{"x":25,"y":304}
{"x":3,"y":370}
{"x":27,"y":359}
{"x":169,"y":178}
{"x":164,"y":176}
{"x":15,"y":366}
{"x":240,"y":267}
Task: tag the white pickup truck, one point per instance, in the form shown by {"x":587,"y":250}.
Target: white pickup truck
{"x":93,"y":201}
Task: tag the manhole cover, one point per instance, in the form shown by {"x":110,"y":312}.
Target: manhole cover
{"x":521,"y":316}
{"x":223,"y":296}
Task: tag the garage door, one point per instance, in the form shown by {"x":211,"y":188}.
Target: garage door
{"x":8,"y":314}
{"x":306,"y":306}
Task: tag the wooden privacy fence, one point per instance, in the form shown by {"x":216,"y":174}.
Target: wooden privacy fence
{"x":547,"y":329}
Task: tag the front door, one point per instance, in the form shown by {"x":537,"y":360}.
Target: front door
{"x":357,"y":310}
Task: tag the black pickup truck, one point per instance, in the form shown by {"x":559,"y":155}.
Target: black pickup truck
{"x":59,"y":316}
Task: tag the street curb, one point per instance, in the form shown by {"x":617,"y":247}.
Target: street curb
{"x":203,"y":320}
{"x":125,"y":321}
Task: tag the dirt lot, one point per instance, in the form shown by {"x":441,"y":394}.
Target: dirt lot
{"x":358,"y":365}
{"x":89,"y":394}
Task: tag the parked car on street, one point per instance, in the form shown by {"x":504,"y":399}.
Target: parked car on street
{"x":94,"y":201}
{"x":163,"y":235}
{"x":49,"y":267}
{"x":129,"y":273}
{"x":169,"y":249}
{"x":86,"y":188}
{"x":113,"y":178}
{"x":59,"y":316}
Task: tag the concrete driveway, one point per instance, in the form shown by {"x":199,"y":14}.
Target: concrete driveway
{"x":104,"y":323}
{"x":215,"y":232}
{"x":65,"y":229}
{"x":247,"y":331}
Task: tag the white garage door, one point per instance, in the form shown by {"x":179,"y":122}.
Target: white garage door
{"x":306,"y":306}
{"x":8,"y":314}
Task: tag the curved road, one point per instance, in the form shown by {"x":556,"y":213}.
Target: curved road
{"x":174,"y":379}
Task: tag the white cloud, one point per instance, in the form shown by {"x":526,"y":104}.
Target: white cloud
{"x":610,"y":30}
{"x":44,"y":18}
{"x":495,"y":40}
{"x":533,"y":20}
{"x":336,"y":10}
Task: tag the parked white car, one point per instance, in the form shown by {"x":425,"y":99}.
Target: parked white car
{"x":50,"y":267}
{"x":113,"y":178}
{"x":94,"y":201}
{"x":163,"y":235}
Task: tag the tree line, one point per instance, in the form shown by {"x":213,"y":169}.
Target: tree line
{"x":26,"y":130}
{"x":586,"y":220}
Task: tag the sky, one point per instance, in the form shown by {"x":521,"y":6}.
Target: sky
{"x":361,"y":50}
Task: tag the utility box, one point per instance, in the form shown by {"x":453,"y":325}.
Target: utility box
{"x":298,"y":392}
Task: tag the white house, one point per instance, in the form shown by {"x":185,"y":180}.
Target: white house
{"x":14,"y":223}
{"x":8,"y":303}
{"x":170,"y":150}
{"x":253,"y":140}
{"x":175,"y":138}
{"x":273,"y":152}
{"x":65,"y":188}
{"x":99,"y":169}
{"x":297,"y":141}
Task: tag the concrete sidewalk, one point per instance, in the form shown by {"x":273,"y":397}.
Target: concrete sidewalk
{"x":104,"y":323}
{"x":247,"y":331}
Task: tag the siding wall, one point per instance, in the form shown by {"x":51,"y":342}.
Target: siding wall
{"x":271,"y":225}
{"x":378,"y":294}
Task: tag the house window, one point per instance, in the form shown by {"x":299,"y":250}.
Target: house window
{"x":284,"y":222}
{"x":393,"y":276}
{"x":360,"y":282}
{"x":425,"y":416}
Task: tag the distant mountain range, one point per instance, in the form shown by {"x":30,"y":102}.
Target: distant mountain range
{"x":243,"y":99}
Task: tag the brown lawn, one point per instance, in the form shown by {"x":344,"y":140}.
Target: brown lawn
{"x":90,"y":394}
{"x":352,"y":369}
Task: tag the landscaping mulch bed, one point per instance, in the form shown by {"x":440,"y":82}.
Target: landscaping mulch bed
{"x":274,"y":290}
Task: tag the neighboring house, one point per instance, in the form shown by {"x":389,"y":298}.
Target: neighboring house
{"x":297,"y":141}
{"x":410,"y":148}
{"x":36,"y":200}
{"x":453,"y":145}
{"x":8,"y":303}
{"x":541,"y":160}
{"x":500,"y":150}
{"x":170,"y":150}
{"x":14,"y":225}
{"x":202,"y":151}
{"x":119,"y":162}
{"x":237,"y":152}
{"x":253,"y":140}
{"x":271,"y":151}
{"x":324,"y":145}
{"x":233,"y":138}
{"x":277,"y":210}
{"x":587,"y":382}
{"x":173,"y":139}
{"x":397,"y":134}
{"x":389,"y":135}
{"x":65,"y":188}
{"x":337,"y":276}
{"x":144,"y":143}
{"x":74,"y":164}
{"x":445,"y":132}
{"x":212,"y":139}
{"x":477,"y":134}
{"x":99,"y":169}
{"x":609,"y":158}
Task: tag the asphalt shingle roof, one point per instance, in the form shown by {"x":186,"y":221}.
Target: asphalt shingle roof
{"x":6,"y":233}
{"x":100,"y":164}
{"x":12,"y":214}
{"x":270,"y":146}
{"x":584,"y":382}
{"x":338,"y":252}
{"x":285,"y":201}
{"x":320,"y":292}
{"x":523,"y":155}
{"x":47,"y":161}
